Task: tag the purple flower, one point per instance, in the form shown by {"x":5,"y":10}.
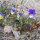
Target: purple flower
{"x":13,"y":10}
{"x":20,"y":14}
{"x":32,"y":11}
{"x":2,"y":15}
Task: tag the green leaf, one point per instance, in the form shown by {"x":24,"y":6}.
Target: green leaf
{"x":15,"y":25}
{"x":10,"y":22}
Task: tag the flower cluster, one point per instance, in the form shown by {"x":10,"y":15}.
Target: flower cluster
{"x":16,"y":17}
{"x":16,"y":20}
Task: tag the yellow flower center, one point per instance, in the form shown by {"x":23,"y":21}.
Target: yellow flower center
{"x":1,"y":17}
{"x":31,"y":15}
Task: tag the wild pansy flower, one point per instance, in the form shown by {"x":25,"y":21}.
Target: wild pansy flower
{"x":1,"y":16}
{"x":13,"y":11}
{"x":31,"y":13}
